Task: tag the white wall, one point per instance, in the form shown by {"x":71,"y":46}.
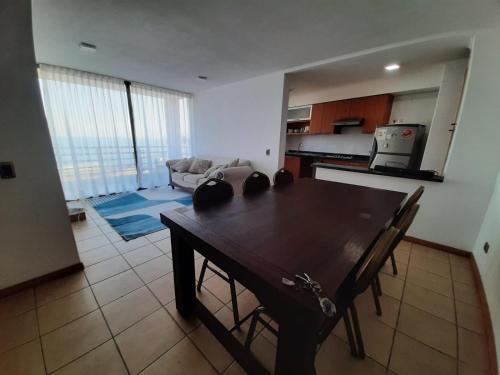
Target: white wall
{"x":489,"y":263}
{"x":36,"y":236}
{"x":349,"y":142}
{"x":424,"y":79}
{"x":415,"y":108}
{"x":448,"y":102}
{"x":452,"y":212}
{"x":242,"y":119}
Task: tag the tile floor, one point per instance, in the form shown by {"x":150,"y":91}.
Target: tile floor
{"x":119,"y":317}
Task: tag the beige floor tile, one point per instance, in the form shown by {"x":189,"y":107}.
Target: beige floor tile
{"x":402,"y":269}
{"x":458,"y":260}
{"x":428,"y":329}
{"x":334,"y":357}
{"x":411,"y":357}
{"x":116,"y":287}
{"x":197,"y":269}
{"x":129,"y":309}
{"x":183,"y":359}
{"x":113,"y":236}
{"x":61,"y":311}
{"x":17,"y":304}
{"x":106,"y":269}
{"x":390,"y":308}
{"x":430,"y":265}
{"x":154,"y":269}
{"x":26,"y":359}
{"x":163,"y":288}
{"x":92,"y":243}
{"x":147,"y":340}
{"x":18,"y":330}
{"x":402,"y":254}
{"x":221,"y":289}
{"x":86,"y":233}
{"x":235,"y":369}
{"x":142,"y":254}
{"x":74,"y":339}
{"x":126,"y":246}
{"x":83,"y":225}
{"x":94,"y":256}
{"x":429,"y":301}
{"x":391,"y":286}
{"x":59,"y":288}
{"x":225,"y":316}
{"x":104,"y":359}
{"x":466,"y":293}
{"x":158,"y":236}
{"x":247,"y":302}
{"x":430,"y":253}
{"x":210,"y":346}
{"x":470,"y":317}
{"x":430,"y":281}
{"x":472,"y":349}
{"x":265,"y":352}
{"x":212,"y":303}
{"x":164,"y":245}
{"x":106,"y":229}
{"x":466,"y":369}
{"x":462,"y":274}
{"x":187,"y":324}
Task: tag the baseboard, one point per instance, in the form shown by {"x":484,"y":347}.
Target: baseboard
{"x":41,"y":279}
{"x":485,"y":311}
{"x":438,"y":246}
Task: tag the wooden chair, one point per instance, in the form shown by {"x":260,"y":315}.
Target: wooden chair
{"x":255,"y":183}
{"x":410,"y":202}
{"x":283,"y":177}
{"x":212,"y":192}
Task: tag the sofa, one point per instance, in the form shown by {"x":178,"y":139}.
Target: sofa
{"x":232,"y":170}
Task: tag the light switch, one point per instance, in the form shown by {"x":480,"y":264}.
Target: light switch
{"x":7,"y":170}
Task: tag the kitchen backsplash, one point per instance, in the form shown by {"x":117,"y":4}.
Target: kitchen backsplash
{"x":359,"y":144}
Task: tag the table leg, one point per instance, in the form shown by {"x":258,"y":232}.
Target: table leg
{"x":184,"y":279}
{"x":296,"y":349}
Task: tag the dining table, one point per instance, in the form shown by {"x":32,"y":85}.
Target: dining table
{"x":263,"y":240}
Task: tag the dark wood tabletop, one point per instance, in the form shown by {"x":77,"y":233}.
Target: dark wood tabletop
{"x":313,"y":226}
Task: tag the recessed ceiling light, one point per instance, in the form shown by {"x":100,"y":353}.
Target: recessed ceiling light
{"x":87,"y":47}
{"x":391,"y":67}
{"x":203,"y":77}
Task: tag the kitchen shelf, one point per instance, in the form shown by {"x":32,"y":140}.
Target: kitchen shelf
{"x":298,"y":133}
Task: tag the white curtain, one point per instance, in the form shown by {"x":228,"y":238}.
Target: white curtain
{"x":90,"y":130}
{"x":162,"y":121}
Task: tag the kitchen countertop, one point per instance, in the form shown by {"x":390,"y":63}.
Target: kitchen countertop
{"x":329,"y":155}
{"x":375,"y":172}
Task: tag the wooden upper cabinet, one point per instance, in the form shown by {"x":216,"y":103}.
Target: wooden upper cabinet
{"x":358,"y":107}
{"x":377,"y":111}
{"x":334,"y":111}
{"x":316,"y":118}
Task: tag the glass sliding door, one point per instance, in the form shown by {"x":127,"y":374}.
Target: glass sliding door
{"x":162,"y":130}
{"x":89,"y":124}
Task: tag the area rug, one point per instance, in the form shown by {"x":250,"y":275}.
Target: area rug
{"x":134,"y":215}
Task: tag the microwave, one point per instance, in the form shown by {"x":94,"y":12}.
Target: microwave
{"x":302,"y":113}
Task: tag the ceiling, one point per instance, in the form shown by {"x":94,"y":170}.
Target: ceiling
{"x":412,"y":58}
{"x":169,"y":43}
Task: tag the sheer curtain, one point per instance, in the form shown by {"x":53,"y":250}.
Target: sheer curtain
{"x":89,"y":126}
{"x":162,"y":130}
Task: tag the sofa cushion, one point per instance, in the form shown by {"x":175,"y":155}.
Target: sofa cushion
{"x":200,"y":166}
{"x":212,"y":169}
{"x":178,"y":176}
{"x":182,"y":165}
{"x":193,"y":178}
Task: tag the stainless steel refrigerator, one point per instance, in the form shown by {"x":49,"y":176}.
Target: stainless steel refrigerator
{"x":398,"y":146}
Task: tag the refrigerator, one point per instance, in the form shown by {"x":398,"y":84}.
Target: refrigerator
{"x":398,"y":146}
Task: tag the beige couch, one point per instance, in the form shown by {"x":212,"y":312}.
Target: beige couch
{"x":234,"y":175}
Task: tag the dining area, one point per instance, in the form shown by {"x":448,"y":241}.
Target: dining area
{"x":308,"y":250}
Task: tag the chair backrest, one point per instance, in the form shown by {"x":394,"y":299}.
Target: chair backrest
{"x":211,"y":192}
{"x":376,"y":258}
{"x":283,"y":177}
{"x":256,"y":182}
{"x":410,"y":202}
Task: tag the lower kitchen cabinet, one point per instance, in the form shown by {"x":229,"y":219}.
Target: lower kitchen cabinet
{"x":300,"y":166}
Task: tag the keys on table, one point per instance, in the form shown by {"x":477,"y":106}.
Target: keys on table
{"x":327,"y":306}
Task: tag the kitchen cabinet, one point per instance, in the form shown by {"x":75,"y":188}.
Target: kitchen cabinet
{"x":292,"y":163}
{"x":377,"y":111}
{"x":316,"y":118}
{"x":334,"y":111}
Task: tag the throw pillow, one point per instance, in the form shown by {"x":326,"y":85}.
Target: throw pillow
{"x":217,"y":172}
{"x":209,"y":171}
{"x":182,"y":165}
{"x":199,"y":166}
{"x":233,"y":163}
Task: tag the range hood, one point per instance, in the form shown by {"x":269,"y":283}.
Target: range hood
{"x":349,"y":121}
